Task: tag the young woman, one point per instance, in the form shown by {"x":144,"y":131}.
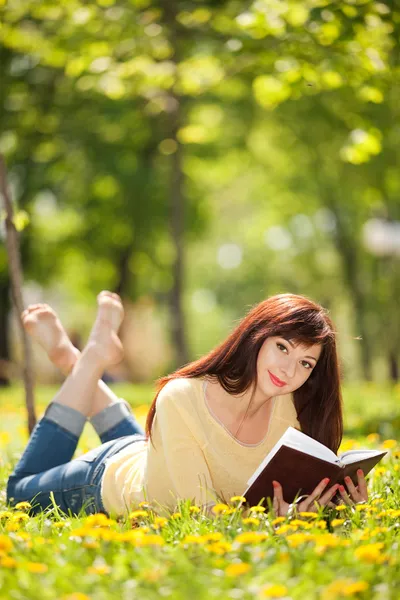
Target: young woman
{"x":209,"y":427}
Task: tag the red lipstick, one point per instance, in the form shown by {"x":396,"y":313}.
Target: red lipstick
{"x":276,"y":380}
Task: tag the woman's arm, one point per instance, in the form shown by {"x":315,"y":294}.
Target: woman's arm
{"x":186,"y":463}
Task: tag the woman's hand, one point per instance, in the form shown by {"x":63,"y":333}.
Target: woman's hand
{"x":311,"y":503}
{"x":357,"y":494}
{"x":308,"y":504}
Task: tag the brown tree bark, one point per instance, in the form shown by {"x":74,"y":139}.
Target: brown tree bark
{"x":177,"y":223}
{"x":12,"y":245}
{"x":176,"y":195}
{"x":4,"y":335}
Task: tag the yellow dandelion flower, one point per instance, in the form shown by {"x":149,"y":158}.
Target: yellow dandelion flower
{"x":23,"y":506}
{"x":8,"y":562}
{"x":136,"y":514}
{"x":5,"y":544}
{"x":274,"y":591}
{"x":237,"y":569}
{"x":219,"y":548}
{"x":5,"y":438}
{"x":220,"y":509}
{"x":341,"y":507}
{"x":370,"y":553}
{"x":284,"y":557}
{"x":144,"y":505}
{"x":310,"y":515}
{"x":99,"y":520}
{"x":373,"y":437}
{"x":250,"y":521}
{"x":343,"y":587}
{"x":151,"y":540}
{"x":176,"y":515}
{"x":91,"y":544}
{"x":388,"y":444}
{"x":159,"y":522}
{"x":195,"y":509}
{"x":321,"y":524}
{"x":61,"y":524}
{"x":278,"y":520}
{"x":20,"y":516}
{"x":257,"y":509}
{"x":396,"y":468}
{"x":337,"y":522}
{"x":377,"y":501}
{"x":378,"y":471}
{"x":5,"y":514}
{"x":355,"y":588}
{"x":378,"y":530}
{"x":361,"y":507}
{"x":37,"y":567}
{"x":296,"y":539}
{"x":99,"y":570}
{"x":215,"y":536}
{"x":250,"y":537}
{"x":285,"y":528}
{"x":194,"y":539}
{"x":238,"y":499}
{"x":348,"y":445}
{"x":396,"y":454}
{"x":327,"y":540}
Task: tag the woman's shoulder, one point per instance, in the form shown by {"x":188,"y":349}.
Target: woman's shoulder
{"x":180,"y":389}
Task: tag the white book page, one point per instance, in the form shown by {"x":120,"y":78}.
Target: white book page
{"x":352,"y":456}
{"x":299,"y":441}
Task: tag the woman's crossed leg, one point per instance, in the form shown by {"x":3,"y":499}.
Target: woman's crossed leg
{"x":46,"y":464}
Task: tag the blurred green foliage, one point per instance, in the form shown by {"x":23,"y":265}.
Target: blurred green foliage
{"x":280,"y":120}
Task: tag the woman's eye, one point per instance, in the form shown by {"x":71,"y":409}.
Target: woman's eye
{"x":281,"y":347}
{"x":306,"y":364}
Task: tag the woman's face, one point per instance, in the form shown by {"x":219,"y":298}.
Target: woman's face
{"x":283,"y":366}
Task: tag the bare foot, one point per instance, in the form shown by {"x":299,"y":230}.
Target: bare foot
{"x":41,"y":322}
{"x":103,"y":341}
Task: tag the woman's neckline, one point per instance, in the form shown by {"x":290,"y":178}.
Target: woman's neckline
{"x":217,"y":420}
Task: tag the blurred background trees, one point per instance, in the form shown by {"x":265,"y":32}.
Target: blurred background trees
{"x":198,"y":156}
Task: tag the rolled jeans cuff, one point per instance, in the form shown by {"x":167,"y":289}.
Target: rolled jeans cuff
{"x":110,"y":416}
{"x":66,"y":417}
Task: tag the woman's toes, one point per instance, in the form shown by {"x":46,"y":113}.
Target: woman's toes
{"x":32,"y":307}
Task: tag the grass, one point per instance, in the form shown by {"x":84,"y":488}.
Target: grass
{"x":348,"y":552}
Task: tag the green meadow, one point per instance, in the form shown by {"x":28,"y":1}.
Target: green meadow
{"x":347,"y":552}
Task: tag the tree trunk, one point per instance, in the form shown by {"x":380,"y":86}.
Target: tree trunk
{"x":393,"y":367}
{"x":5,"y":306}
{"x":12,"y":245}
{"x":176,"y":196}
{"x":177,"y":205}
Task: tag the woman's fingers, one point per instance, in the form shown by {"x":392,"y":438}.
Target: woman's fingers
{"x":318,"y":491}
{"x":344,"y":494}
{"x":278,"y":501}
{"x":352,"y":489}
{"x":362,"y":485}
{"x":328,"y":495}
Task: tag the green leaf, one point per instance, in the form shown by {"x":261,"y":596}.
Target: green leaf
{"x":270,"y":91}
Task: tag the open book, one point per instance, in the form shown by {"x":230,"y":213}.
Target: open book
{"x":299,"y":463}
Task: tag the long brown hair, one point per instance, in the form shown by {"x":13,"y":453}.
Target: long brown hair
{"x":318,"y":401}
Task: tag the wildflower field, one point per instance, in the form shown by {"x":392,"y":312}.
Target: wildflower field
{"x":347,"y":552}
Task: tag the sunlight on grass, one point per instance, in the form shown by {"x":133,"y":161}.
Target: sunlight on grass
{"x":346,"y":552}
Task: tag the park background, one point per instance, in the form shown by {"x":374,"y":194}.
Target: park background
{"x":196,"y":157}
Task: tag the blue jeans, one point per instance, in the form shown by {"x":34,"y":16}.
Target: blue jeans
{"x":46,"y":466}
